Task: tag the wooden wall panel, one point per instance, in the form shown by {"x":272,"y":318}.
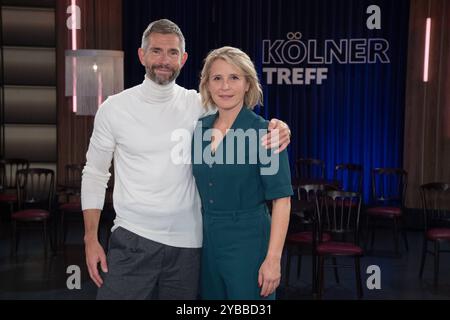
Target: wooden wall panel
{"x":30,"y":105}
{"x":33,"y":142}
{"x":37,"y":63}
{"x":101,"y":28}
{"x":29,"y":27}
{"x":427,"y":143}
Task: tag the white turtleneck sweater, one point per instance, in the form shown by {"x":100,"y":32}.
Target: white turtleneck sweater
{"x":153,"y":196}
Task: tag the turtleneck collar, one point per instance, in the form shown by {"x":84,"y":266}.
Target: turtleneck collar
{"x":156,"y":93}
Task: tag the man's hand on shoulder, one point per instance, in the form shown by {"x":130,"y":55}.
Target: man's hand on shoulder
{"x":279,"y":136}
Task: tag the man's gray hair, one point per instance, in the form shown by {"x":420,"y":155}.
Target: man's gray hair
{"x":163,"y":26}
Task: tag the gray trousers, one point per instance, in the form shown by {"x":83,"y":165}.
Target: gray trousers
{"x":140,"y":269}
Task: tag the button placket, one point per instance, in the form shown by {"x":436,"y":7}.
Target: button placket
{"x":210,"y":185}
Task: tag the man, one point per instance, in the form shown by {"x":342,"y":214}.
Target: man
{"x":154,"y":250}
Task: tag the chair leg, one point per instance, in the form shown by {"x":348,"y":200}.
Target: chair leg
{"x":61,"y":230}
{"x":314,"y":274}
{"x":372,"y":240}
{"x":405,"y":238}
{"x":11,"y":209}
{"x":14,"y":238}
{"x":394,"y":221}
{"x":424,"y":256}
{"x":64,"y":229}
{"x":359,"y":288}
{"x":436,"y":263}
{"x":320,"y":272}
{"x":299,"y":265}
{"x":288,"y":265}
{"x":53,"y":237}
{"x":336,"y":274}
{"x":44,"y":226}
{"x":366,"y":238}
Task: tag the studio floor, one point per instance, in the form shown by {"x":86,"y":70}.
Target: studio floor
{"x":30,"y":275}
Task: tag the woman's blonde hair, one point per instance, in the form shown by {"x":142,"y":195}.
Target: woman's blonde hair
{"x":239,"y":59}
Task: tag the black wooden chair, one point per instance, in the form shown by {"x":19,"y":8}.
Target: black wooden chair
{"x":388,"y":198}
{"x":35,"y":189}
{"x":70,"y":193}
{"x":436,"y":216}
{"x":304,"y":242}
{"x":341,"y":221}
{"x":8,"y":185}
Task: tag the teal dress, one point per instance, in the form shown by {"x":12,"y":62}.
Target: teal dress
{"x":234,"y":185}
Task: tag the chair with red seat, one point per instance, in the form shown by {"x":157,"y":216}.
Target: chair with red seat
{"x":388,"y":196}
{"x":35,"y":188}
{"x":304,"y":242}
{"x":436,"y":216}
{"x":341,"y":221}
{"x":70,"y":193}
{"x":8,"y":186}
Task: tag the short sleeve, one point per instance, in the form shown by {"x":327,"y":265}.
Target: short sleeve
{"x":275,"y":172}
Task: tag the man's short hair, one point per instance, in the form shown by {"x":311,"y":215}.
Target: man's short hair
{"x":163,"y":26}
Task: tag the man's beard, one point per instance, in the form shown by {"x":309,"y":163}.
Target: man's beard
{"x":158,"y":79}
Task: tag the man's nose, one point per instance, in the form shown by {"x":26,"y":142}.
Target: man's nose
{"x":164,"y":57}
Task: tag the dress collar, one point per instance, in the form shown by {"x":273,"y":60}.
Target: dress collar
{"x":243,"y":114}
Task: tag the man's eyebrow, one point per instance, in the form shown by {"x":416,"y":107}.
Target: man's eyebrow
{"x":159,"y":48}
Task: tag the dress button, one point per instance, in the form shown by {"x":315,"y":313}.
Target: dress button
{"x":211,"y":201}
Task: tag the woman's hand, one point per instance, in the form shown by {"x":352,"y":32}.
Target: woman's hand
{"x":269,"y":276}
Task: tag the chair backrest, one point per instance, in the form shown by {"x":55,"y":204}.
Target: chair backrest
{"x":35,"y":188}
{"x":389,"y":186}
{"x":304,"y":204}
{"x":307,"y":196}
{"x":435,"y":198}
{"x":72,"y":179}
{"x":309,"y":192}
{"x":339,"y":215}
{"x":310,"y":169}
{"x":349,"y":176}
{"x":8,"y":172}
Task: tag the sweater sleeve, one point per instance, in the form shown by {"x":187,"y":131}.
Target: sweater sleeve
{"x":98,"y":160}
{"x":201,"y":110}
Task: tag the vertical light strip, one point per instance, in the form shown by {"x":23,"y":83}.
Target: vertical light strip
{"x":74,"y":59}
{"x":427,"y":50}
{"x":74,"y":24}
{"x":100,"y":89}
{"x":74,"y":84}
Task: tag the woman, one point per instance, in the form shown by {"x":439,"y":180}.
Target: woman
{"x":235,"y":176}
